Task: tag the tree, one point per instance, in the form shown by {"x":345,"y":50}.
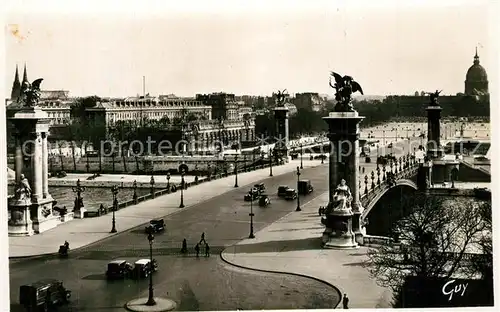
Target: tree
{"x":432,"y":241}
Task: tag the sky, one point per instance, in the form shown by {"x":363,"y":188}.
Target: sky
{"x":244,"y":49}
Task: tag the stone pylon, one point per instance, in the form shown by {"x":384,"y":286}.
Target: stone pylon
{"x":342,"y":226}
{"x":31,"y":207}
{"x":282,"y":131}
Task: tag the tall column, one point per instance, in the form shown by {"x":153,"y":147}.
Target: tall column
{"x":45,"y":161}
{"x":282,"y":130}
{"x":37,"y":166}
{"x":340,"y":218}
{"x":19,"y":166}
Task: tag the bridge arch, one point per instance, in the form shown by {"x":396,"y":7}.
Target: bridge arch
{"x":383,"y":191}
{"x":385,"y":207}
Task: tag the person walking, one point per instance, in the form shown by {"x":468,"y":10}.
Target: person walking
{"x":345,"y":302}
{"x":207,"y":250}
{"x":197,"y":249}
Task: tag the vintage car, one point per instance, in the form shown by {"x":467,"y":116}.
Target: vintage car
{"x":43,"y":295}
{"x":144,"y":267}
{"x":305,"y":187}
{"x":252,"y":195}
{"x":264,"y":200}
{"x":260,"y":187}
{"x":156,"y":225}
{"x":290,"y":194}
{"x":282,"y":190}
{"x":118,"y":269}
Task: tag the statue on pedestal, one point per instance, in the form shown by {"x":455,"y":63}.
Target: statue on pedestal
{"x":344,"y":88}
{"x":23,"y":189}
{"x":30,"y":93}
{"x":434,"y":98}
{"x":342,"y":197}
{"x":280,"y":98}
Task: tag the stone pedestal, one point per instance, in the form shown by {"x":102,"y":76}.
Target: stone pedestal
{"x":67,"y":217}
{"x":282,"y":132}
{"x":20,"y":223}
{"x":79,"y":214}
{"x":41,"y":215}
{"x":338,"y":232}
{"x":344,"y":164}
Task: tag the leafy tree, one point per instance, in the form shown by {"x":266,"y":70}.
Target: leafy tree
{"x":432,"y":241}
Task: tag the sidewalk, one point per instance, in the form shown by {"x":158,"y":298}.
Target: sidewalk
{"x":293,"y":245}
{"x":81,"y":232}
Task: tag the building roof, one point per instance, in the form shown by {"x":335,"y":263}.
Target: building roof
{"x":476,"y":72}
{"x":54,"y":94}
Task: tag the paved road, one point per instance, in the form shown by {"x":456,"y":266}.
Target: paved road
{"x":194,"y":283}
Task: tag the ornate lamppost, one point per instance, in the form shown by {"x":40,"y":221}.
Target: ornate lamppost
{"x":168,"y":181}
{"x":251,"y":214}
{"x":298,"y":200}
{"x":134,"y":197}
{"x":182,"y":189}
{"x":270,"y":162}
{"x":78,"y":189}
{"x":301,"y":151}
{"x":114,"y":190}
{"x":152,"y":182}
{"x":236,"y":170}
{"x":151,"y":237}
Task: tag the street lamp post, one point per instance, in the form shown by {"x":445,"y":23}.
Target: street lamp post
{"x":251,"y":214}
{"x":236,"y":170}
{"x":298,"y":200}
{"x":301,"y":151}
{"x":253,"y":159}
{"x":168,"y":181}
{"x":151,"y":237}
{"x":134,"y":185}
{"x":270,"y":162}
{"x":114,"y":190}
{"x":152,"y":182}
{"x":182,"y":189}
{"x":78,"y":189}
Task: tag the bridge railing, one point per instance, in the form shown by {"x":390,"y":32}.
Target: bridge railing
{"x":385,"y":175}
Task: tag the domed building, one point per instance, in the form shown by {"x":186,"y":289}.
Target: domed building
{"x":476,"y":80}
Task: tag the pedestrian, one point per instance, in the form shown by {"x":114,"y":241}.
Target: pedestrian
{"x":345,"y":302}
{"x":184,"y":246}
{"x":197,"y":249}
{"x":202,"y":238}
{"x":207,"y":250}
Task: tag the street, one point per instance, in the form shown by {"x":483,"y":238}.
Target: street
{"x":204,"y":283}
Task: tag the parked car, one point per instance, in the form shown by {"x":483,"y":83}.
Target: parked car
{"x":144,"y":267}
{"x":282,"y":190}
{"x":252,"y":195}
{"x":264,"y":200}
{"x":118,"y":269}
{"x":43,"y":295}
{"x":156,"y":225}
{"x":321,"y":156}
{"x":290,"y":194}
{"x":260,"y":187}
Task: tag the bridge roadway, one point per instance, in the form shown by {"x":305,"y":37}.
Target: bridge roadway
{"x":194,"y":283}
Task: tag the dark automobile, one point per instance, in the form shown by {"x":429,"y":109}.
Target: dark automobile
{"x":264,"y":200}
{"x":305,"y":187}
{"x":144,"y":267}
{"x":290,"y":194}
{"x":253,"y":194}
{"x":282,"y":190}
{"x":321,"y":156}
{"x":260,"y":187}
{"x":156,"y":225}
{"x":43,"y":295}
{"x":118,"y":269}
